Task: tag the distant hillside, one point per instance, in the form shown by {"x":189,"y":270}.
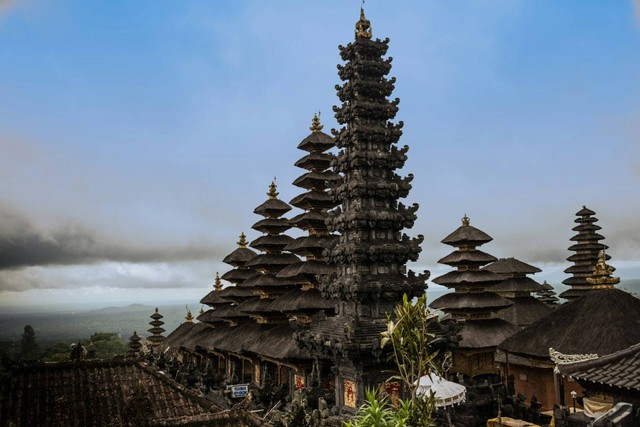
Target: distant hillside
{"x":55,"y":327}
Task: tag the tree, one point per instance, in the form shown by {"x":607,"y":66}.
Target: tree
{"x":412,"y":352}
{"x":29,"y":348}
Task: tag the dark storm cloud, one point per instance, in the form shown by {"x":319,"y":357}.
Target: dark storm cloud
{"x":22,"y":244}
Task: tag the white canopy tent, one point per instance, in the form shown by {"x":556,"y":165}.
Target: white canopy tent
{"x":447,"y":393}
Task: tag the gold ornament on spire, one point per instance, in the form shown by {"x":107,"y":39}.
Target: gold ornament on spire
{"x":363,"y":26}
{"x":315,"y":123}
{"x":218,"y":285}
{"x":601,"y":277}
{"x":201,"y":310}
{"x":465,"y":220}
{"x":189,"y":316}
{"x":242,"y":242}
{"x":273,"y":194}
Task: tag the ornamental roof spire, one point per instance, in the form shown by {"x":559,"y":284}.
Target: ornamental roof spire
{"x":465,"y":220}
{"x":315,"y":123}
{"x":363,"y":26}
{"x":218,"y":284}
{"x":242,"y":243}
{"x":273,"y":193}
{"x":602,"y":272}
{"x":189,"y":316}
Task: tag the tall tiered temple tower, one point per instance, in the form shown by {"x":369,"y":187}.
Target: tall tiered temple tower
{"x":371,"y":254}
{"x":586,"y":248}
{"x":472,"y":304}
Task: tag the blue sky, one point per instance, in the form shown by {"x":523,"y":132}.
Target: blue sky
{"x":138,"y":136}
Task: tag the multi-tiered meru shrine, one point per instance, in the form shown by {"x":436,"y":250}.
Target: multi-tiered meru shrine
{"x":294,"y":321}
{"x":307,"y":311}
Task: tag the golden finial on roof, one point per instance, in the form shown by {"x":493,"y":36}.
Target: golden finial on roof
{"x":218,"y":285}
{"x":363,"y":26}
{"x":189,"y":316}
{"x":601,"y":277}
{"x":201,"y":310}
{"x":465,"y":220}
{"x":243,"y":241}
{"x":315,"y":123}
{"x":273,"y":194}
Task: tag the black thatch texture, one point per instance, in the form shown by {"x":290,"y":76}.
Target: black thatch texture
{"x":470,"y":301}
{"x":256,"y":306}
{"x":213,"y":299}
{"x":272,"y":208}
{"x":317,"y":161}
{"x":484,"y":333}
{"x":238,"y":257}
{"x":462,"y":278}
{"x":467,"y":235}
{"x":467,"y":258}
{"x":310,"y":220}
{"x":298,"y":300}
{"x":243,"y":337}
{"x":236,"y":292}
{"x":524,"y":311}
{"x":270,"y":242}
{"x":278,"y":343}
{"x":516,"y":284}
{"x":238,"y":275}
{"x":311,"y":267}
{"x":272,"y":262}
{"x":317,"y":142}
{"x":585,"y":212}
{"x":602,"y":321}
{"x":315,"y":180}
{"x":98,"y":393}
{"x":510,"y":266}
{"x":620,"y":369}
{"x":175,"y":337}
{"x":272,"y":226}
{"x":210,"y":318}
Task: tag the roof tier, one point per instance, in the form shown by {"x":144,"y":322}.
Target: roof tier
{"x":314,"y":199}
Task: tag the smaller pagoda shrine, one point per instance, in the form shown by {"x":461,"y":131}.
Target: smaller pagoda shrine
{"x":517,"y":288}
{"x":305,"y":300}
{"x":266,"y":284}
{"x":214,"y":301}
{"x":548,"y":295}
{"x":237,"y":293}
{"x":473,"y":304}
{"x":586,"y":248}
{"x":135,"y":346}
{"x":156,"y":330}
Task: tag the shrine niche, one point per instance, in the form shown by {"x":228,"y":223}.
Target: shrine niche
{"x":349,"y":394}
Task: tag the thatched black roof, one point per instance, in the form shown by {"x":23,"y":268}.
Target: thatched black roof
{"x":524,"y":311}
{"x":213,"y":299}
{"x":315,"y":180}
{"x":270,"y":242}
{"x":272,"y":208}
{"x":467,"y":235}
{"x":462,"y":278}
{"x":255,"y":306}
{"x":620,"y":369}
{"x":183,"y":333}
{"x":237,"y":292}
{"x":238,"y":257}
{"x":298,"y":300}
{"x":312,"y":200}
{"x":242,"y":337}
{"x":239,"y":275}
{"x":318,"y":161}
{"x":272,"y":262}
{"x":210,"y":317}
{"x":470,"y":301}
{"x":466,"y":258}
{"x":310,"y":268}
{"x":511,"y":266}
{"x":309,"y":220}
{"x":485,"y":333}
{"x":585,"y":212}
{"x":517,"y":284}
{"x":272,"y":225}
{"x":278,"y":343}
{"x":602,"y":321}
{"x":317,"y":142}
